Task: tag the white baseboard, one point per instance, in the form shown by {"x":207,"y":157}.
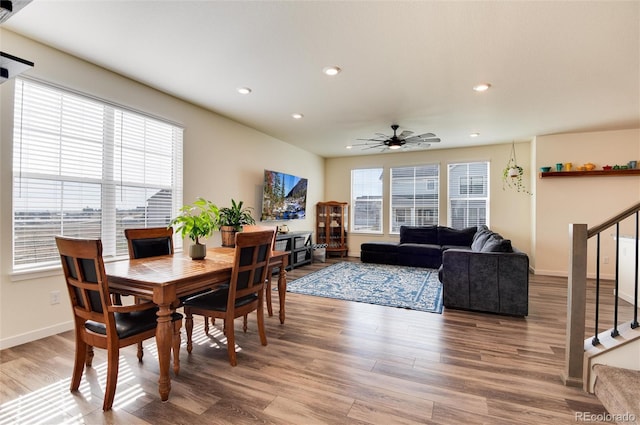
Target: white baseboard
{"x":35,"y":335}
{"x":562,"y":273}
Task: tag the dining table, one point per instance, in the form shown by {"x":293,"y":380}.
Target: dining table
{"x":167,"y":278}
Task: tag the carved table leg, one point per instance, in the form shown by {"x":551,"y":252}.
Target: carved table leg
{"x":164,"y":338}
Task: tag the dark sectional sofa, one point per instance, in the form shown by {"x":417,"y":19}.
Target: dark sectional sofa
{"x":478,"y":268}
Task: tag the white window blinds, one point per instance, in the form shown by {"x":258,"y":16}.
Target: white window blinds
{"x":468,"y":194}
{"x":89,"y":169}
{"x":414,"y":196}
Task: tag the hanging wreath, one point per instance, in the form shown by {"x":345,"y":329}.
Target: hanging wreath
{"x":512,"y":174}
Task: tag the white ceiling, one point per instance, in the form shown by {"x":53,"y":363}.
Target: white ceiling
{"x":554,"y":67}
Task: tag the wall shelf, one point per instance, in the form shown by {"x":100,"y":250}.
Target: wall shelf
{"x":594,"y":173}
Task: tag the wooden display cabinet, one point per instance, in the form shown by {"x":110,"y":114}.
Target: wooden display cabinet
{"x":332,"y":220}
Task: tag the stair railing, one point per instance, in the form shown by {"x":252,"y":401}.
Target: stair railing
{"x":579,"y":234}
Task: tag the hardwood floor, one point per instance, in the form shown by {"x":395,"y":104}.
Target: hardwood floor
{"x":332,"y":362}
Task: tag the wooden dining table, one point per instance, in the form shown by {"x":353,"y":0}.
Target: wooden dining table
{"x":164,"y":279}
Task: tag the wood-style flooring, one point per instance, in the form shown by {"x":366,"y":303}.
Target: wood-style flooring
{"x":332,"y":362}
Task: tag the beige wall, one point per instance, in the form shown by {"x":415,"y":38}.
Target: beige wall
{"x":510,"y":211}
{"x":222,"y":160}
{"x":587,"y":200}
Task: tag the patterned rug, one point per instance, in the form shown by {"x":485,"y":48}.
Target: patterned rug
{"x":394,"y":286}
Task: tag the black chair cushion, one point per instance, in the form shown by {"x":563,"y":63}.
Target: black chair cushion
{"x":151,"y":247}
{"x":129,"y":324}
{"x":217,"y":300}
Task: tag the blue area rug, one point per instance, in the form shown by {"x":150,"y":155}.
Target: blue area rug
{"x":394,"y":286}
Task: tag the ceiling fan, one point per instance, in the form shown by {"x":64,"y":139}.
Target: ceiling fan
{"x":402,"y":141}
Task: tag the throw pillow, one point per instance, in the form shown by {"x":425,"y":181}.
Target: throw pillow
{"x":497,"y":243}
{"x":479,"y":239}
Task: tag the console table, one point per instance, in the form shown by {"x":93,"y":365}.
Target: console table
{"x":299,"y":246}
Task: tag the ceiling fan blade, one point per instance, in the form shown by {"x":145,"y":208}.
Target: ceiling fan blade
{"x":366,"y":144}
{"x":419,"y":139}
{"x":405,"y":134}
{"x":373,"y":147}
{"x":425,"y":135}
{"x":417,"y":146}
{"x":373,"y":140}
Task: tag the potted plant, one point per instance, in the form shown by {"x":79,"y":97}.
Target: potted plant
{"x":512,"y":174}
{"x":197,"y":220}
{"x":231,"y":220}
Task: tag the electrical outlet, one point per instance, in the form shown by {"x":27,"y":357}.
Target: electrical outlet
{"x":605,"y":260}
{"x":54,"y":297}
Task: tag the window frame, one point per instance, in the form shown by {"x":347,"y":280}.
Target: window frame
{"x":469,"y":175}
{"x":354,"y":202}
{"x":417,"y":213}
{"x":111,"y":178}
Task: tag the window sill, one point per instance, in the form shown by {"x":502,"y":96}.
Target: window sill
{"x":53,"y":270}
{"x":35,"y":273}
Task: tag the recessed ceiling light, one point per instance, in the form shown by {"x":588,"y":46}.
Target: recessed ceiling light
{"x":244,"y":90}
{"x":331,"y":70}
{"x":474,"y":134}
{"x":482,"y":87}
{"x":349,"y":147}
{"x":297,"y":116}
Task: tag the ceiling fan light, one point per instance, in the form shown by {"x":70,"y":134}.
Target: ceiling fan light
{"x":395,"y":147}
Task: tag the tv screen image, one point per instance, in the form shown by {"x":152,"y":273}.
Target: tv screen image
{"x":284,"y":196}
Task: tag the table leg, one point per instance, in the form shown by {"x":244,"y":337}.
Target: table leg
{"x":282,"y":289}
{"x":268,"y":292}
{"x":164,"y":337}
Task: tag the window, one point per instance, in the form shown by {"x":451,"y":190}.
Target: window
{"x":468,"y":194}
{"x":366,"y":199}
{"x":85,"y":168}
{"x":414,"y":196}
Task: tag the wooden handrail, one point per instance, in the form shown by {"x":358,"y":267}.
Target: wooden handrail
{"x":613,"y":220}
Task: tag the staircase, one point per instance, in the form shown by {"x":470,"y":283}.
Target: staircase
{"x":617,"y":388}
{"x":608,"y":363}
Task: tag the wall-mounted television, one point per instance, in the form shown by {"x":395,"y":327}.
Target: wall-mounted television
{"x":284,"y":196}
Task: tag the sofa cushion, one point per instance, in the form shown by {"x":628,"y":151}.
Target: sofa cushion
{"x":462,"y":247}
{"x":497,"y":243}
{"x":457,"y":237}
{"x":419,"y":234}
{"x":379,"y":246}
{"x":419,"y":255}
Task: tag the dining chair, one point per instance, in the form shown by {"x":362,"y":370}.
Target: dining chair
{"x":267,"y":287}
{"x":98,"y":322}
{"x":244,"y":294}
{"x":144,"y":243}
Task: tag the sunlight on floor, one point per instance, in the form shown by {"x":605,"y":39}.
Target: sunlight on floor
{"x":56,"y":402}
{"x":215,"y":339}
